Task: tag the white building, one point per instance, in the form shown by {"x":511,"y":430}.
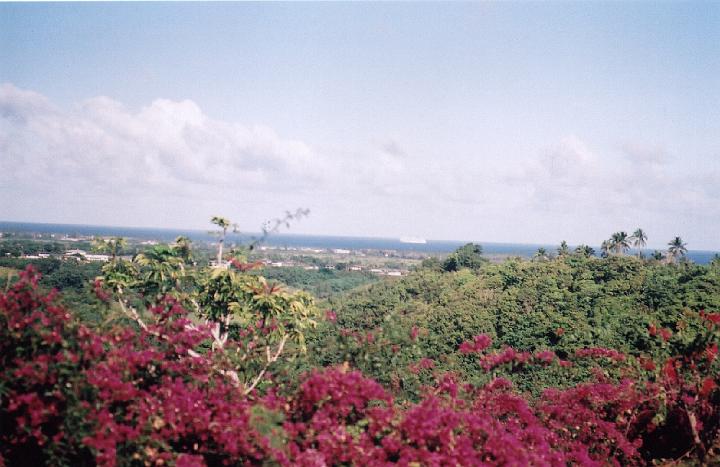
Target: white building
{"x":86,"y":256}
{"x":97,"y":257}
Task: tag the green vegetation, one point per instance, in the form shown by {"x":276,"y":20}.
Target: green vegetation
{"x":564,"y":304}
{"x":72,"y":277}
{"x":467,"y":256}
{"x":614,"y":355}
{"x":18,"y":247}
{"x":322,"y":283}
{"x":560,"y":302}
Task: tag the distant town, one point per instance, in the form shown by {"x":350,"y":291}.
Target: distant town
{"x":392,"y":263}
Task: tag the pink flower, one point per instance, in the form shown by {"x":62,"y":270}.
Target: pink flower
{"x":478,"y":344}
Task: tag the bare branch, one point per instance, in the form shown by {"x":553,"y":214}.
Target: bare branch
{"x":270,"y":360}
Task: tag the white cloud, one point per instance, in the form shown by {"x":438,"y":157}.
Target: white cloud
{"x":572,"y":174}
{"x":164,"y":143}
{"x":170,"y":157}
{"x":170,"y":143}
{"x":611,"y":190}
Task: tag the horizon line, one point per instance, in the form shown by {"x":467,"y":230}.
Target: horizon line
{"x":210,"y":231}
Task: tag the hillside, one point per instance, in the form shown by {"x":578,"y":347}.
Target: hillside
{"x":570,"y":360}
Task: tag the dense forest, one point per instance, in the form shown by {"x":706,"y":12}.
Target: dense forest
{"x":560,"y":359}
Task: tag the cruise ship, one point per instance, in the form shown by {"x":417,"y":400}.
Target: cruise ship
{"x":412,"y":240}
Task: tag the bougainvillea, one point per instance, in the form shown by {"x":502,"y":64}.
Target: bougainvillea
{"x":131,"y":394}
{"x":159,"y":395}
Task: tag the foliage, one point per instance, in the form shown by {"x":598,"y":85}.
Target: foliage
{"x":112,"y":246}
{"x":321,"y":283}
{"x":620,"y":242}
{"x":260,"y":320}
{"x":75,"y":397}
{"x":467,"y":256}
{"x":677,"y":248}
{"x":639,"y":239}
{"x":253,"y":322}
{"x":17,"y":247}
{"x":560,"y":360}
{"x":71,"y":395}
{"x":569,"y":303}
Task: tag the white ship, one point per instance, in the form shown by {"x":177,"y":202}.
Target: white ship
{"x":412,"y":240}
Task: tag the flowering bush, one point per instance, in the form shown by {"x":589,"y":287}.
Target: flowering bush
{"x":159,"y":395}
{"x":70,"y":395}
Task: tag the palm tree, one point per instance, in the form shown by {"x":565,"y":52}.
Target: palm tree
{"x":563,"y":250}
{"x":112,"y":246}
{"x":541,"y":254}
{"x":585,"y":250}
{"x":620,"y":242}
{"x":639,"y":238}
{"x":224,"y":224}
{"x":606,"y":248}
{"x":677,"y":248}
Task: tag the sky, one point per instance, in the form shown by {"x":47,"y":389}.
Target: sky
{"x":496,"y":122}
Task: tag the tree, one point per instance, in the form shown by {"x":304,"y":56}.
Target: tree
{"x":620,"y":242}
{"x":432,"y":263}
{"x":258,"y":319}
{"x":639,"y":238}
{"x":606,"y":248}
{"x":585,"y":250}
{"x":160,"y":271}
{"x":253,"y":323}
{"x":183,"y":248}
{"x":563,"y":250}
{"x":657,"y":255}
{"x":112,"y":246}
{"x":467,"y":256}
{"x":224,"y":225}
{"x":541,"y":254}
{"x":677,"y":248}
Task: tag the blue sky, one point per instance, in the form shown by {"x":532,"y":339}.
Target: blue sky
{"x":525,"y":122}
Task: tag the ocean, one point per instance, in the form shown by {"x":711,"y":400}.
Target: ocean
{"x":302,"y":241}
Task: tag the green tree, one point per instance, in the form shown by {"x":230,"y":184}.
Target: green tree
{"x":432,"y":263}
{"x":541,"y":254}
{"x":584,"y":250}
{"x":677,"y":248}
{"x":606,"y":248}
{"x":111,"y":246}
{"x":657,"y":255}
{"x":563,"y":249}
{"x":254,"y":324}
{"x":258,"y":318}
{"x":183,"y":248}
{"x":639,"y":238}
{"x":160,"y":271}
{"x":467,"y":256}
{"x":620,"y":243}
